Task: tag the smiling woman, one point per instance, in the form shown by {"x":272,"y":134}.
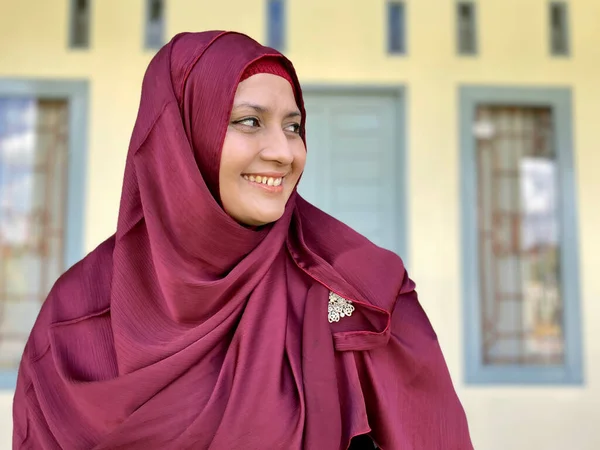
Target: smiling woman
{"x":226,"y":312}
{"x":263,"y":153}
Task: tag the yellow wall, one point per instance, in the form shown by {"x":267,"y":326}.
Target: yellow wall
{"x":343,"y":41}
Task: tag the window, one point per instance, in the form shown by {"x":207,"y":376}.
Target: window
{"x":80,"y":24}
{"x":518,"y":237}
{"x":520,"y":251}
{"x":396,"y":27}
{"x":466,"y":28}
{"x":41,"y":170}
{"x":559,"y":32}
{"x":276,"y":24}
{"x":155,"y":23}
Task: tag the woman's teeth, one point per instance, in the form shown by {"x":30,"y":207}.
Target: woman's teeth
{"x":269,"y":181}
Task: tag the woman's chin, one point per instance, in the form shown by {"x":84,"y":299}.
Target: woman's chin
{"x":258,"y":217}
{"x":264,"y":216}
{"x":267,"y":218}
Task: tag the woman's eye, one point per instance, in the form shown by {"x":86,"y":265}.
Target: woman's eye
{"x":250,"y":122}
{"x":294,"y":128}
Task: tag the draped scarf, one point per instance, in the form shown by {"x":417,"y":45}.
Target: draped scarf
{"x":187,"y":330}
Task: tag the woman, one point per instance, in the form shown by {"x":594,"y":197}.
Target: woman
{"x":227,"y":312}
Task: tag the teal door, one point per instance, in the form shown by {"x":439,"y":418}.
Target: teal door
{"x":354,"y":164}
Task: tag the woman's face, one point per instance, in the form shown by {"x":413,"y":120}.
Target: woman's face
{"x":263,"y":154}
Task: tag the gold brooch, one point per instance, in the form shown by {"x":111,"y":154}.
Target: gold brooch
{"x":338,"y":307}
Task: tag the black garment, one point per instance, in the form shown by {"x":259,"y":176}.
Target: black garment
{"x":362,"y":442}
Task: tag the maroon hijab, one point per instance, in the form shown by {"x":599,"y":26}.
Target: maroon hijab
{"x":186,"y":330}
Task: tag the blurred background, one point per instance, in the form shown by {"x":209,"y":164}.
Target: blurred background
{"x":463,"y":135}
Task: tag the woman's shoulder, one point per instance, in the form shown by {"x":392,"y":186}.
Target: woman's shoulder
{"x":82,"y":290}
{"x":378,"y":274}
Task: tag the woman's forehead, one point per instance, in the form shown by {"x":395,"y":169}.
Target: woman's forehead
{"x":265,"y":91}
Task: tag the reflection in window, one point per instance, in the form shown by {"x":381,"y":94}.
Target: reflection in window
{"x":33,"y":163}
{"x":467,"y":29}
{"x":559,"y":32}
{"x":519,"y":243}
{"x":396,"y":27}
{"x":155,"y":23}
{"x":276,"y":24}
{"x":80,"y":24}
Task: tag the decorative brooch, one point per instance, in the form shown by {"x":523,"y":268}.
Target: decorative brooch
{"x":338,"y":307}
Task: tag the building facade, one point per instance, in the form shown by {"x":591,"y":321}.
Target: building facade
{"x":462,"y":137}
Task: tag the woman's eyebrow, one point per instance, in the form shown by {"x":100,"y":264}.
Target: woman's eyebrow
{"x":264,"y":110}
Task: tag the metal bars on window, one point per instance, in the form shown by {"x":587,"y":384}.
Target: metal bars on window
{"x":519,"y":237}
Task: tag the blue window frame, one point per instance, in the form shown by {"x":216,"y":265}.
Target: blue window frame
{"x":550,"y":351}
{"x":276,"y":24}
{"x":396,"y":11}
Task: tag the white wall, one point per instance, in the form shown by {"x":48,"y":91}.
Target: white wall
{"x":5,"y":420}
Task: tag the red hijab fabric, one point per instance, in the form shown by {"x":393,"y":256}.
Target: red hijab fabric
{"x":270,"y":65}
{"x":186,"y":330}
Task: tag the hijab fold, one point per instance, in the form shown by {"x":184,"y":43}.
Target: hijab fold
{"x":187,"y":330}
